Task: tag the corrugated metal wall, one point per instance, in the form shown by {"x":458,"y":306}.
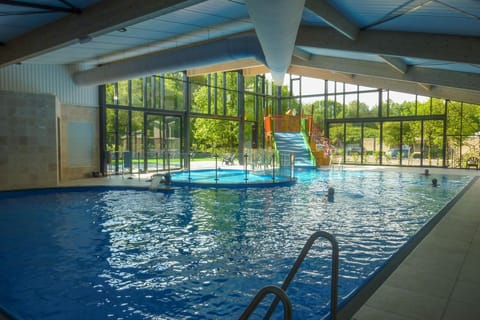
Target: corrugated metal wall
{"x":51,"y":78}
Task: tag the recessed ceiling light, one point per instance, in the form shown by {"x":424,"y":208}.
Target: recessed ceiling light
{"x":122,"y":29}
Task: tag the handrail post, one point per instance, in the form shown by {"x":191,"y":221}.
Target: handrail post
{"x":273,"y":167}
{"x":292,"y":165}
{"x":216,"y":167}
{"x":280,"y":294}
{"x":297,"y":264}
{"x":138,"y":164}
{"x":246,"y":167}
{"x":189,"y":167}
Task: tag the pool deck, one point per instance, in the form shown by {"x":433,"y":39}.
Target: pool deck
{"x":439,"y":279}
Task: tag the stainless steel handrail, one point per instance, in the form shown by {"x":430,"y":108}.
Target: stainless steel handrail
{"x":297,"y":264}
{"x":280,"y":295}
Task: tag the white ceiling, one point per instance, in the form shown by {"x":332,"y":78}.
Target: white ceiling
{"x":425,"y":47}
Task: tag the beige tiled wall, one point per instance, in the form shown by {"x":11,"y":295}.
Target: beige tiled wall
{"x":28,"y":140}
{"x":30,"y":127}
{"x":84,"y":115}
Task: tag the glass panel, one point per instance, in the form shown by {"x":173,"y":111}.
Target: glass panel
{"x":123,"y":93}
{"x":350,"y":87}
{"x":400,"y":104}
{"x":232,"y":103}
{"x":332,"y":107}
{"x":137,"y":93}
{"x":199,"y":96}
{"x":391,"y":141}
{"x":110,"y":93}
{"x":438,"y":106}
{"x":137,"y":141}
{"x":411,"y":139}
{"x":158,"y":86}
{"x":110,"y":141}
{"x":149,"y":92}
{"x":351,"y":109}
{"x":316,"y":111}
{"x":433,"y":142}
{"x":312,"y":86}
{"x":155,"y":143}
{"x":339,"y":87}
{"x":454,"y":130}
{"x":250,"y":84}
{"x":353,"y":147}
{"x":336,"y":135}
{"x":371,"y":143}
{"x":471,"y":130}
{"x":295,"y":86}
{"x":174,"y":92}
{"x":218,"y":92}
{"x":214,"y":136}
{"x":368,"y":105}
{"x":250,"y":108}
{"x":173,"y":134}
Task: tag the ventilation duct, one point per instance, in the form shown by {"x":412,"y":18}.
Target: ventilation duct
{"x":174,"y":60}
{"x":276,"y":24}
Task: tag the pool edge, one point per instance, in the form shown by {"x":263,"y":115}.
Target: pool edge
{"x":348,"y":310}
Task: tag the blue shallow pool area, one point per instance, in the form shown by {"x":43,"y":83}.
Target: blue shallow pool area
{"x":203,"y":253}
{"x":231,"y":178}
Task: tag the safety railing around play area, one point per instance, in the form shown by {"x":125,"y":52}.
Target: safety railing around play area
{"x":252,"y":160}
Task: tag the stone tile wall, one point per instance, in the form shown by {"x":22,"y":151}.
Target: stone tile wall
{"x":28,"y":140}
{"x":34,"y":141}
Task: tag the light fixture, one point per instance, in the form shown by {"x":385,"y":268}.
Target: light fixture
{"x":122,"y":30}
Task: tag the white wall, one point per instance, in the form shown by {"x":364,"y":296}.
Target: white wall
{"x":50,"y":79}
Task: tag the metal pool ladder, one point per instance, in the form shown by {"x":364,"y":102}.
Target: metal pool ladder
{"x":281,"y":292}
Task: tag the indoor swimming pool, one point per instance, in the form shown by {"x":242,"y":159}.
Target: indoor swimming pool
{"x":203,"y":253}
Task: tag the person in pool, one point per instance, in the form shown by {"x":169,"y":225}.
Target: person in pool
{"x":330,"y":194}
{"x":434,"y":182}
{"x":426,"y":173}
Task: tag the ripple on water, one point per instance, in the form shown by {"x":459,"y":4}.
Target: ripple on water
{"x":204,"y":253}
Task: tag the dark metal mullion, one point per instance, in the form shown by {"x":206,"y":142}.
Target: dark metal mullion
{"x":444,"y":145}
{"x":145,"y":120}
{"x":224,"y":93}
{"x":401,"y":143}
{"x":103,"y":127}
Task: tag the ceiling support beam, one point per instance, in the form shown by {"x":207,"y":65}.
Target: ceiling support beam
{"x":425,"y":86}
{"x":301,"y":54}
{"x":469,"y":96}
{"x":95,"y":20}
{"x":224,"y":67}
{"x":377,"y":69}
{"x":396,"y":63}
{"x":443,"y":47}
{"x":333,"y":17}
{"x":45,"y":7}
{"x":254,"y":71}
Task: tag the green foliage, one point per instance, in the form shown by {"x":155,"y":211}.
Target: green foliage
{"x":209,"y":135}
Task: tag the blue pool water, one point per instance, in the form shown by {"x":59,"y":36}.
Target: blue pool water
{"x":203,"y":253}
{"x":231,"y":178}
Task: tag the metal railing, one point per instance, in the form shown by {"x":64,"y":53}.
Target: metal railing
{"x":280,"y":294}
{"x":259,"y":161}
{"x":297,"y":264}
